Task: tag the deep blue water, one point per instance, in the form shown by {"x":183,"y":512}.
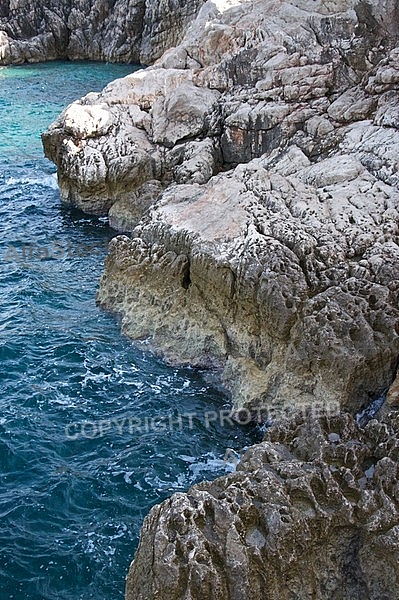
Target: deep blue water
{"x":71,"y":509}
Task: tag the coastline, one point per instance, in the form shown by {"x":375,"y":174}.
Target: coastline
{"x":253,"y":168}
{"x":265,"y":248}
{"x":279,"y":271}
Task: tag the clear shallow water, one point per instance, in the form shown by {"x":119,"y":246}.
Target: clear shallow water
{"x":71,"y":509}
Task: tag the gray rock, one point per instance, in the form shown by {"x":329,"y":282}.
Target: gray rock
{"x":333,"y":170}
{"x":120,"y":31}
{"x":256,"y":167}
{"x":126,"y":213}
{"x":312,"y":512}
{"x":353,"y":105}
{"x":280,"y":272}
{"x":273,"y":292}
{"x":185,"y":113}
{"x":194,"y":162}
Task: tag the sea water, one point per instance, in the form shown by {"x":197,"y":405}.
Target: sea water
{"x":77,"y":473}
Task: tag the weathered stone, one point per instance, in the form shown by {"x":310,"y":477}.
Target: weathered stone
{"x":256,"y":167}
{"x":391,"y":402}
{"x":127,"y":212}
{"x":281,"y":272}
{"x":185,"y":113}
{"x":311,"y":512}
{"x":333,"y":170}
{"x":87,"y":121}
{"x":353,"y":105}
{"x":119,"y":31}
{"x":286,"y":317}
{"x":194,"y":162}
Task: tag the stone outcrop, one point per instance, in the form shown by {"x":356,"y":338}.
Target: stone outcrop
{"x":255,"y":168}
{"x":311,"y":512}
{"x":115,"y":31}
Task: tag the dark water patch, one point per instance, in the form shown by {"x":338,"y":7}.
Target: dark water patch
{"x":71,"y":506}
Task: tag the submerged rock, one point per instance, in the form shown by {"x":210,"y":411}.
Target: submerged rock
{"x":311,"y":512}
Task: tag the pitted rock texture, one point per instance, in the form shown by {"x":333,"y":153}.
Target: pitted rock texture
{"x":310,"y":513}
{"x":116,"y":31}
{"x":259,"y":274}
{"x":255,"y":167}
{"x":391,"y":403}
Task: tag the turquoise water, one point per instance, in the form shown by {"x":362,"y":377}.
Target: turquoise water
{"x":73,"y":495}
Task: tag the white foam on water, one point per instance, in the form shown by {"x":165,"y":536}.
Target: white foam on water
{"x":45,"y":181}
{"x":127,"y":476}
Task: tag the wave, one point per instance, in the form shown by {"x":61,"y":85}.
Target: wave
{"x":46,"y":180}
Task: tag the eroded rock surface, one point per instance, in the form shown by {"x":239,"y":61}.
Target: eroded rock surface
{"x":117,"y":31}
{"x":255,"y":167}
{"x":311,"y":512}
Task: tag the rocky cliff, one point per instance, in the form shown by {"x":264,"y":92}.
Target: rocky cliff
{"x":255,"y":169}
{"x":310,"y":513}
{"x":255,"y":166}
{"x":108,"y":30}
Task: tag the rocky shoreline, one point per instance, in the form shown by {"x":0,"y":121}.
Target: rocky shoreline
{"x":112,"y":31}
{"x":311,"y":512}
{"x":253,"y":170}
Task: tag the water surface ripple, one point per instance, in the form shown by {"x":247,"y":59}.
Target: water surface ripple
{"x":71,"y":509}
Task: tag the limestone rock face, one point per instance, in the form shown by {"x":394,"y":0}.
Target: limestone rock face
{"x":252,"y":278}
{"x":117,"y":31}
{"x":258,"y":272}
{"x":255,"y":167}
{"x":311,"y":512}
{"x":184,"y":113}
